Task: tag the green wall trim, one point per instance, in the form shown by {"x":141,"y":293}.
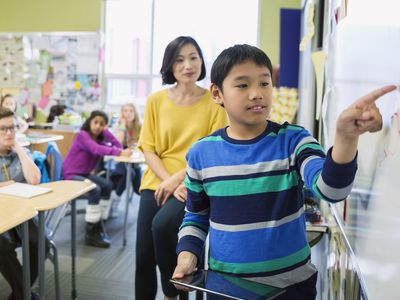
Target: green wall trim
{"x":270,"y":25}
{"x":50,"y":15}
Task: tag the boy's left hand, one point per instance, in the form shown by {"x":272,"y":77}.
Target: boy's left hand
{"x":362,"y":115}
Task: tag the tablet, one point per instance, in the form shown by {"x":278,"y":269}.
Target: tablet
{"x":230,"y":287}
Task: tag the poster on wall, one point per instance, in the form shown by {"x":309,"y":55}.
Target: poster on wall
{"x":11,"y":62}
{"x":50,"y":68}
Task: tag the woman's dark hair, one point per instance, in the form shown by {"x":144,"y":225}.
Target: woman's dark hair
{"x":8,"y":96}
{"x":86,"y":125}
{"x":170,"y":55}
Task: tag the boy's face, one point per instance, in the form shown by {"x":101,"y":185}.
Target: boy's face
{"x":246,"y":95}
{"x":7,"y":132}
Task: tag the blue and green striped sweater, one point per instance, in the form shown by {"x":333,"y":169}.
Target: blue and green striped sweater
{"x":248,"y":196}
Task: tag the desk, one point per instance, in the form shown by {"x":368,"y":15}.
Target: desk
{"x":313,"y":237}
{"x":34,"y":139}
{"x":13,"y":213}
{"x":62,"y":192}
{"x":136,"y":158}
{"x":64,"y":145}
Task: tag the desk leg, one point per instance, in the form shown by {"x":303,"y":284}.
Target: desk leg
{"x":74,"y":294}
{"x":128,"y":192}
{"x":25,"y":261}
{"x":42,"y":254}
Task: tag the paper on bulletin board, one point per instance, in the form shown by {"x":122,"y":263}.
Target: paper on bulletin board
{"x":310,"y":28}
{"x":318,"y":58}
{"x":87,"y":64}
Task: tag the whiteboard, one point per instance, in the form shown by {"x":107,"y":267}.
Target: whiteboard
{"x":373,"y":209}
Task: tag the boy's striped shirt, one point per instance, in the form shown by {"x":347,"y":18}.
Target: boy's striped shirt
{"x":248,"y":196}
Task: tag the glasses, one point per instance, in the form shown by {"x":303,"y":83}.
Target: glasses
{"x":5,"y":129}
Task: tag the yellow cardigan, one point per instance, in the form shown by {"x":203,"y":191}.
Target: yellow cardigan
{"x":169,"y":130}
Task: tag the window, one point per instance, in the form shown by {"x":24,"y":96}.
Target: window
{"x":137,"y":33}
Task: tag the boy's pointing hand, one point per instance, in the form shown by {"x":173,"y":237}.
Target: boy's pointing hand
{"x":363,"y":115}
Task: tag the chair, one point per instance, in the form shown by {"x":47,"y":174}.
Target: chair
{"x":54,"y":159}
{"x":41,"y":160}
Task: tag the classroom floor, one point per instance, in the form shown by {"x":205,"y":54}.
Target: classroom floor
{"x":106,"y":274}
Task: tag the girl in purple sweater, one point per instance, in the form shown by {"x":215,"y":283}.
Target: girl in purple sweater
{"x":91,"y":143}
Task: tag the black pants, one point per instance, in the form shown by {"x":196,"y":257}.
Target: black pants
{"x":10,"y":266}
{"x":157,"y":237}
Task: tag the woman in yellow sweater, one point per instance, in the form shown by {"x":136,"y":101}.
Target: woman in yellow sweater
{"x":174,"y":118}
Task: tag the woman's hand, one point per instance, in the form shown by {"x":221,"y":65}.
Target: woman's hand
{"x":166,"y":188}
{"x":180,"y":192}
{"x":126,"y":152}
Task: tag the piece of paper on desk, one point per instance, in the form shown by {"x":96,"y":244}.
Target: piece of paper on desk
{"x":23,"y":190}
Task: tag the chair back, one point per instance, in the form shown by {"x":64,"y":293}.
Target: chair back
{"x":54,"y":159}
{"x":41,"y":162}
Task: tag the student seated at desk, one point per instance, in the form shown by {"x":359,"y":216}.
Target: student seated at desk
{"x":90,"y":144}
{"x":127,"y":131}
{"x":16,"y":166}
{"x":8,"y":101}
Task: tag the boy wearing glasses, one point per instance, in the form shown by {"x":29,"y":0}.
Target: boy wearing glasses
{"x":16,"y":166}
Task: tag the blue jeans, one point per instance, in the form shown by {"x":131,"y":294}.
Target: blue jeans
{"x":102,"y":190}
{"x":118,"y":177}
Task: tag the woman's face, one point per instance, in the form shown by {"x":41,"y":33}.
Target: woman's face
{"x":187,"y":66}
{"x":97,"y":125}
{"x":9,"y":103}
{"x":128,"y":113}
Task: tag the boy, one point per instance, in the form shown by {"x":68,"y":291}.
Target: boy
{"x":245,"y":181}
{"x":16,"y":166}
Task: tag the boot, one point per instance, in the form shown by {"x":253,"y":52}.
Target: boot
{"x":96,"y":236}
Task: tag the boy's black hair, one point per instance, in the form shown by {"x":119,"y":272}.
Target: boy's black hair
{"x":233,"y":56}
{"x":86,"y":125}
{"x":5,"y":113}
{"x":170,"y":55}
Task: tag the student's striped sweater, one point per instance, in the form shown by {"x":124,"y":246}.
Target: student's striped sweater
{"x":248,"y":196}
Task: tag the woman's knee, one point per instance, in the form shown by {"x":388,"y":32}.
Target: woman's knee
{"x":162,"y":226}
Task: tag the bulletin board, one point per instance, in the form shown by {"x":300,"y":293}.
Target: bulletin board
{"x":52,"y":68}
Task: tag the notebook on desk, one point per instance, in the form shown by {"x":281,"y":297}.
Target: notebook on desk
{"x":23,"y":190}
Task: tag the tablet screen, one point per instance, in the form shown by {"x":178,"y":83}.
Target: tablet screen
{"x":228,"y":286}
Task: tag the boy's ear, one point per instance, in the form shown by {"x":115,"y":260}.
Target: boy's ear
{"x":216,"y":94}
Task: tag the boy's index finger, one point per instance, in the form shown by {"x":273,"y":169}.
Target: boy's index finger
{"x":370,"y":98}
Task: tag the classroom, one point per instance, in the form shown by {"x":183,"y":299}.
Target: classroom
{"x":244,"y":149}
